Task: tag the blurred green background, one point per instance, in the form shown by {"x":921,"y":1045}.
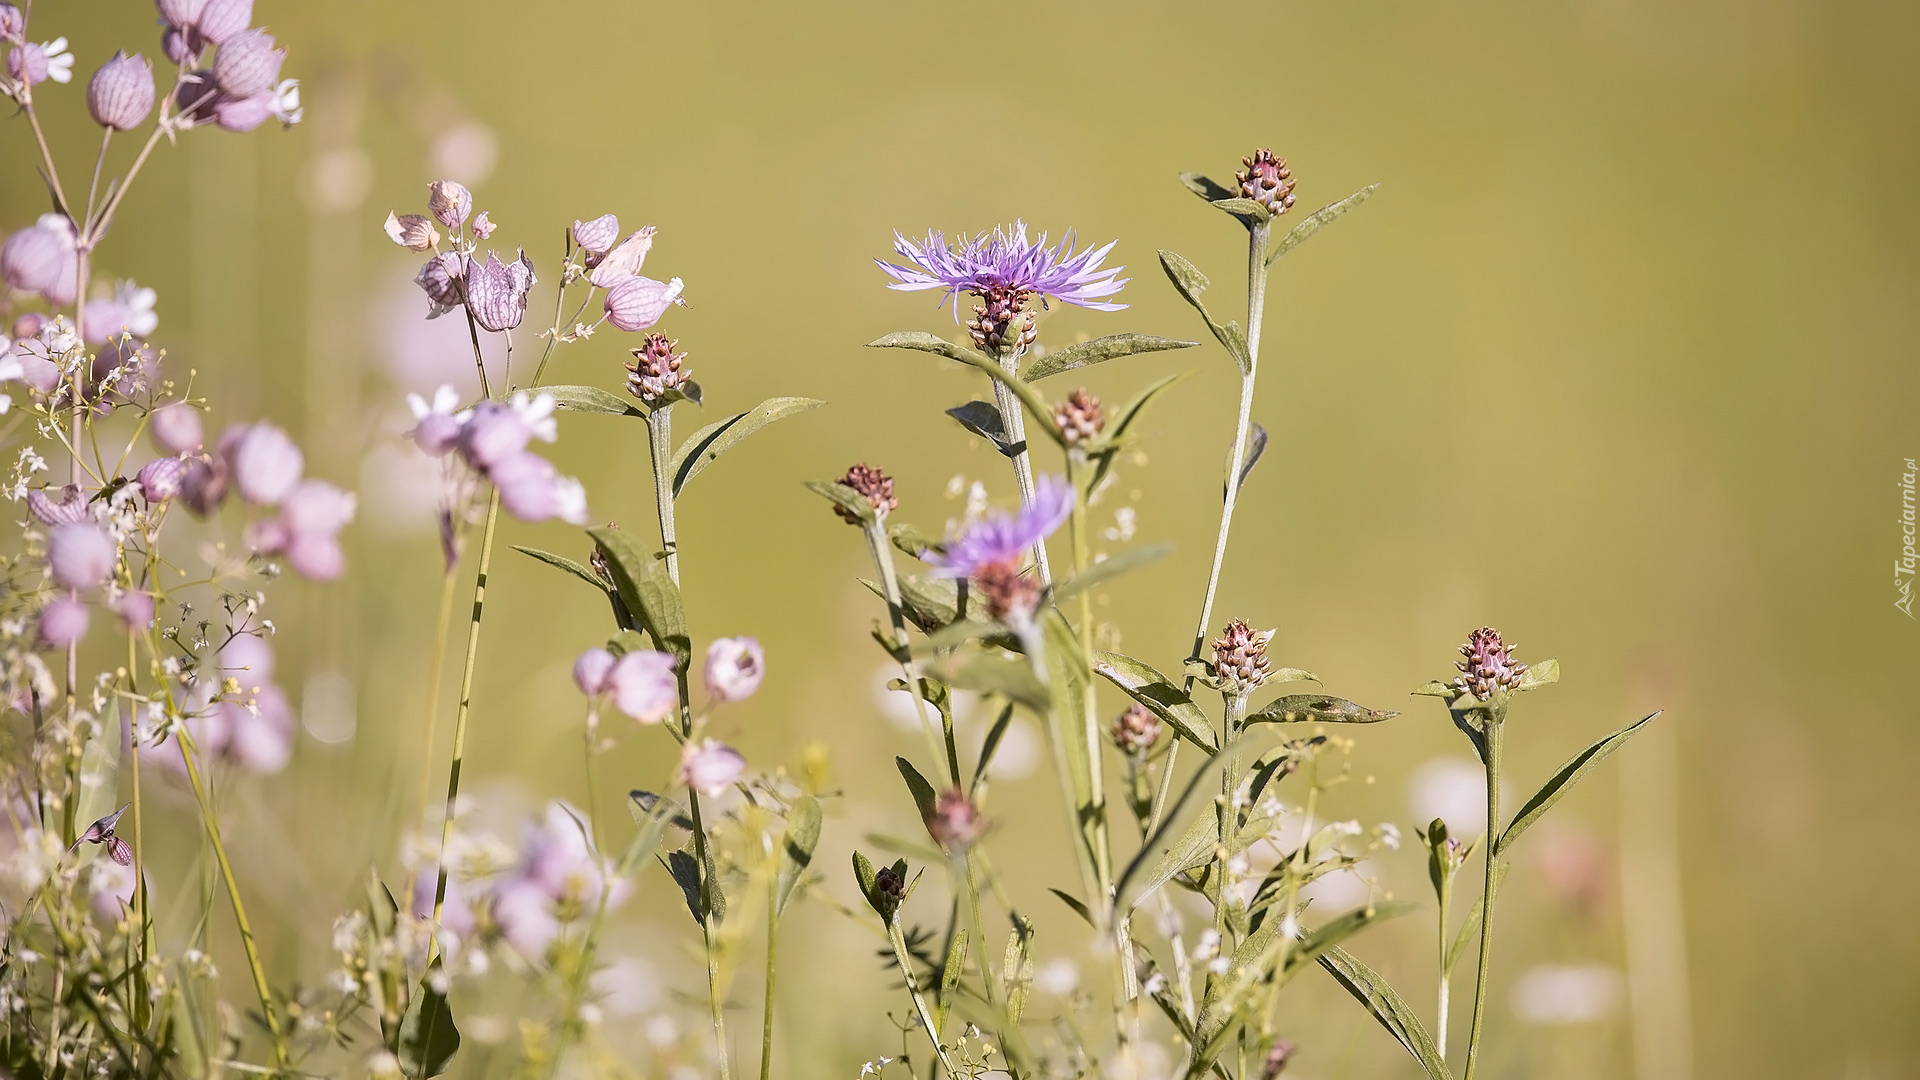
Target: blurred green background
{"x":1619,"y":359}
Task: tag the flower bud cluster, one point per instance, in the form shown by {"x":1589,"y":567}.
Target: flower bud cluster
{"x":1266,"y":180}
{"x":1136,"y":730}
{"x":871,"y":484}
{"x":1240,"y":662}
{"x":1489,"y":665}
{"x":242,"y":89}
{"x":1080,"y":418}
{"x":657,"y":371}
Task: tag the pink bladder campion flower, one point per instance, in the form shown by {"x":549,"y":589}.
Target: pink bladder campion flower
{"x":308,"y":529}
{"x":161,"y":479}
{"x":496,"y":432}
{"x":247,"y":65}
{"x":120,"y":94}
{"x":593,"y":672}
{"x":645,"y":686}
{"x":13,"y":24}
{"x":449,"y":202}
{"x":496,"y":292}
{"x":32,"y":258}
{"x":710,"y":767}
{"x":266,"y":465}
{"x":415,"y":232}
{"x":483,"y":225}
{"x":63,"y":622}
{"x":636,"y":303}
{"x":81,"y":555}
{"x":596,"y":237}
{"x":531,"y":489}
{"x":242,"y":114}
{"x":220,"y":20}
{"x":623,"y":261}
{"x":176,"y":428}
{"x":69,"y":509}
{"x":34,"y":64}
{"x":135,"y":609}
{"x":734,"y":668}
{"x":440,"y":280}
{"x":436,"y":425}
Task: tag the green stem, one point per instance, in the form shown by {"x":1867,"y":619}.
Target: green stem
{"x":1494,"y":730}
{"x":1228,"y":814}
{"x":919,"y":1001}
{"x":660,"y":442}
{"x":716,"y":1006}
{"x":876,"y":533}
{"x":773,"y":938}
{"x":465,"y":708}
{"x":1446,"y":972}
{"x":1013,"y":421}
{"x":437,"y":674}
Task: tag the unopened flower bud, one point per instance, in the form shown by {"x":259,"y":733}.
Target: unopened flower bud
{"x":890,"y":887}
{"x":205,"y":485}
{"x":220,"y":20}
{"x":596,"y":237}
{"x":247,"y":64}
{"x":63,"y":622}
{"x":710,"y":767}
{"x":415,"y":232}
{"x":135,"y":609}
{"x":440,"y":280}
{"x":636,"y":303}
{"x":161,"y":479}
{"x":265,"y":462}
{"x":176,"y":428}
{"x":81,"y":555}
{"x":69,"y":509}
{"x":1136,"y":730}
{"x":497,"y":292}
{"x":482,"y":225}
{"x":1240,"y":657}
{"x":1011,"y":595}
{"x":954,"y":821}
{"x":449,"y":202}
{"x":180,"y":12}
{"x":13,"y":24}
{"x":120,"y":94}
{"x":656,"y":369}
{"x":1265,"y":180}
{"x":32,"y":259}
{"x":624,"y":261}
{"x":1489,"y":665}
{"x":1080,"y":418}
{"x":645,"y":686}
{"x":1002,"y":323}
{"x":734,"y":668}
{"x":593,"y":672}
{"x":873,"y":485}
{"x":183,"y":44}
{"x":240,"y":115}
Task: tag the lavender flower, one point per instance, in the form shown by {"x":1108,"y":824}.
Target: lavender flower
{"x":636,"y":303}
{"x":34,"y":64}
{"x":1004,"y":269}
{"x":645,"y":686}
{"x":220,"y":20}
{"x":176,"y":428}
{"x":120,"y":94}
{"x":128,"y":311}
{"x":734,"y":668}
{"x":1003,"y":538}
{"x":13,"y":24}
{"x":135,"y":609}
{"x":483,"y":225}
{"x":593,"y":672}
{"x":81,"y":555}
{"x":242,"y":114}
{"x":183,"y":44}
{"x":308,"y":529}
{"x":440,"y":280}
{"x":710,"y":767}
{"x":495,"y":432}
{"x":265,"y":463}
{"x":63,"y":622}
{"x":533,"y":490}
{"x":497,"y":292}
{"x":181,"y":12}
{"x":248,"y":64}
{"x":436,"y":427}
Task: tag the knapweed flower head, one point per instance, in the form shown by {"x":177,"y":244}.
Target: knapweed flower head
{"x":657,"y":370}
{"x":1004,"y":538}
{"x":1240,"y":662}
{"x":954,"y":821}
{"x":1265,"y":179}
{"x":710,"y":767}
{"x":1136,"y":730}
{"x":1005,"y":269}
{"x":734,"y":668}
{"x":1489,"y":665}
{"x":870,"y":484}
{"x":1080,"y":417}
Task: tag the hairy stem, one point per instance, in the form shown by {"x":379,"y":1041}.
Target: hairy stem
{"x":1013,"y":421}
{"x":1495,"y":726}
{"x":716,"y":1004}
{"x":1446,"y":972}
{"x":876,"y":533}
{"x":660,"y":442}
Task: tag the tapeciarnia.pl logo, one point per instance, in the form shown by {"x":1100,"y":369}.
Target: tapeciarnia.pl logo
{"x":1904,"y":565}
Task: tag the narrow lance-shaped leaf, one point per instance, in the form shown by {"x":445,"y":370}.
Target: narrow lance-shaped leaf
{"x":1036,"y":405}
{"x":1099,"y":350}
{"x":561,"y":562}
{"x":1206,"y":187}
{"x":1371,"y":990}
{"x":1190,"y":282}
{"x":1318,"y":220}
{"x":647,"y":589}
{"x":1567,"y":776}
{"x":983,"y":419}
{"x":1152,"y":689}
{"x":1256,"y":448}
{"x":1320,"y":708}
{"x":842,"y":496}
{"x":428,"y":1037}
{"x":706,"y":445}
{"x":917,"y":786}
{"x":797,"y":847}
{"x":591,"y":399}
{"x":1109,"y":568}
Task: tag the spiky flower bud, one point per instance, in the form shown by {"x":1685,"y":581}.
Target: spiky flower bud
{"x":415,"y":232}
{"x":1001,"y":323}
{"x":1010,"y":594}
{"x":954,"y":821}
{"x":248,"y":64}
{"x":1489,"y":665}
{"x":1240,"y":657}
{"x":1136,"y":730}
{"x":1265,"y":180}
{"x":183,"y":44}
{"x":449,"y":202}
{"x":872,"y":484}
{"x":120,"y":94}
{"x":656,"y":370}
{"x":890,"y":887}
{"x":1080,"y":418}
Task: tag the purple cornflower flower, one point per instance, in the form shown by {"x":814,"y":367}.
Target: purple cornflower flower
{"x":1002,"y":538}
{"x":1004,"y":268}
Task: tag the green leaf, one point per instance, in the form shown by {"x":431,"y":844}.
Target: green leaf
{"x":797,"y":848}
{"x":705,"y":446}
{"x":863,"y":875}
{"x":1256,"y":448}
{"x":1318,"y":220}
{"x":1011,"y":679}
{"x":917,"y":786}
{"x":1544,"y":673}
{"x":1073,"y":902}
{"x":647,"y":589}
{"x":1152,"y":689}
{"x":1299,"y":708}
{"x":1188,"y":279}
{"x":1099,"y":350}
{"x":653,"y":814}
{"x":1249,"y":211}
{"x":1016,"y":969}
{"x":1436,"y":689}
{"x":1109,"y":568}
{"x":1193,"y":847}
{"x":950,"y":974}
{"x":685,"y":870}
{"x":922,"y":341}
{"x":1036,"y":405}
{"x":591,"y":399}
{"x":1206,"y":187}
{"x":983,"y":419}
{"x":842,"y":496}
{"x":1370,"y":989}
{"x":428,"y":1036}
{"x":99,"y":774}
{"x":911,"y":540}
{"x":991,"y":744}
{"x":1568,"y":775}
{"x":561,"y":562}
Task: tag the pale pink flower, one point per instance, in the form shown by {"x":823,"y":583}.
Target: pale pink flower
{"x":593,"y":672}
{"x":734,"y":668}
{"x":710,"y":767}
{"x":266,"y":464}
{"x":63,"y":621}
{"x":81,"y":555}
{"x":176,"y":428}
{"x":636,"y":303}
{"x":645,"y":686}
{"x":624,"y":261}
